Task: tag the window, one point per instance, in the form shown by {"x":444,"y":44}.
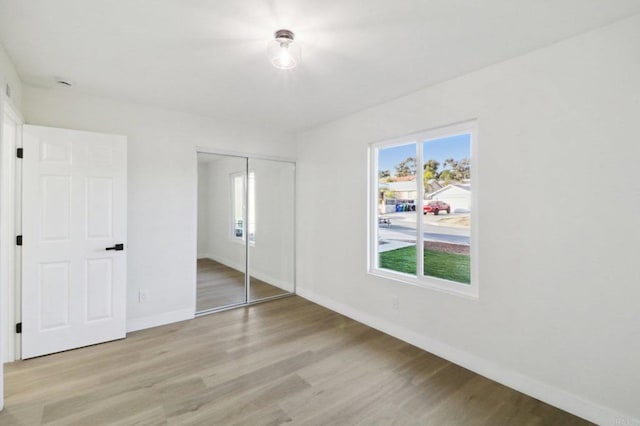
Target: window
{"x":237,"y":205}
{"x":237,"y":194}
{"x":422,"y":209}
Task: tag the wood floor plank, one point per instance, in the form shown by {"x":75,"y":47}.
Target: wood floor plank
{"x":286,"y":361}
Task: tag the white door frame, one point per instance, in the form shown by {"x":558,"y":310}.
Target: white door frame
{"x":10,"y":226}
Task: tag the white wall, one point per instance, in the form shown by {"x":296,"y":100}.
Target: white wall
{"x":9,"y":75}
{"x":162,"y":173}
{"x":558,"y":310}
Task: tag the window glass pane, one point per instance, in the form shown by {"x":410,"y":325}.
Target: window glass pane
{"x":396,"y":208}
{"x":447,"y":208}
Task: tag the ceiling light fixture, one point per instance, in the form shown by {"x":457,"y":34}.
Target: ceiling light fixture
{"x":283,"y":52}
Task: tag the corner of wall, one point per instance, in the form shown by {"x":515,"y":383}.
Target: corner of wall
{"x":9,"y":78}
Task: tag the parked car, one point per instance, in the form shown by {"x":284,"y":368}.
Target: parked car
{"x":436,"y":207}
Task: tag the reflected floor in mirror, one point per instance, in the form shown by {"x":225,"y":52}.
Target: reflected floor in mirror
{"x":220,"y":285}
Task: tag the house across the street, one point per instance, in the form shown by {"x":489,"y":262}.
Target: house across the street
{"x":458,"y":196}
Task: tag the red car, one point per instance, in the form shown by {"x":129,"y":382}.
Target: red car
{"x":436,"y":207}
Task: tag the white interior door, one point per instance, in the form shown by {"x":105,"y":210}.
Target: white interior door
{"x":74,"y":216}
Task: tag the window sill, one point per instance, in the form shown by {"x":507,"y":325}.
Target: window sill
{"x":468,"y":291}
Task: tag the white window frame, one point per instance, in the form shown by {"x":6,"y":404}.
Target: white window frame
{"x":452,"y":287}
{"x":252,"y":217}
{"x":234,"y":177}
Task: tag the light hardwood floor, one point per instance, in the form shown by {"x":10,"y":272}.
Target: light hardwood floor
{"x":219,"y":285}
{"x":285,"y":361}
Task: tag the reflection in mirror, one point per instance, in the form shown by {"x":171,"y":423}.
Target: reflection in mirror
{"x":221,"y":231}
{"x":271,"y":228}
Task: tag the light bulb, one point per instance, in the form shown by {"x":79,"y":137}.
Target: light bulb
{"x":284,"y":60}
{"x":283,"y":52}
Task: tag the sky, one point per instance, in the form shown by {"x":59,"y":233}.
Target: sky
{"x":456,"y":147}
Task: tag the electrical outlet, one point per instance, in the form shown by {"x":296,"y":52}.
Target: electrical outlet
{"x":143,"y":295}
{"x":395,"y":302}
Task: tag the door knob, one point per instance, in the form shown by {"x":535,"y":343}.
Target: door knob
{"x":117,"y":247}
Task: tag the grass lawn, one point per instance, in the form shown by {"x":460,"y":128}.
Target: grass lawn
{"x":454,"y":267}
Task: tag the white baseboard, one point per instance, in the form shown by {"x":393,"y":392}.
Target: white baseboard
{"x":135,"y":324}
{"x":226,"y":262}
{"x":272,"y":281}
{"x":527,"y":385}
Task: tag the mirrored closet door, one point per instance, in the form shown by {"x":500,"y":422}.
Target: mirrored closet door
{"x":271,"y":228}
{"x":245,"y":231}
{"x":222,"y":256}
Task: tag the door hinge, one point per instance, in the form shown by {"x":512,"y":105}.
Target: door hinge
{"x":19,"y":240}
{"x":19,"y":328}
{"x":20,"y":152}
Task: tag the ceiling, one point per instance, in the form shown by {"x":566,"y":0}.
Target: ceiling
{"x":208,"y":57}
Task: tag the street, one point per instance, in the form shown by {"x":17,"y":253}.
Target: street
{"x":403,"y":227}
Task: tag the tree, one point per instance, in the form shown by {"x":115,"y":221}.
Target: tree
{"x":384,"y":174}
{"x":430,"y":172}
{"x":432,"y":166}
{"x":464,"y":169}
{"x":458,"y":170}
{"x":446,"y":177}
{"x":407,"y":167}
